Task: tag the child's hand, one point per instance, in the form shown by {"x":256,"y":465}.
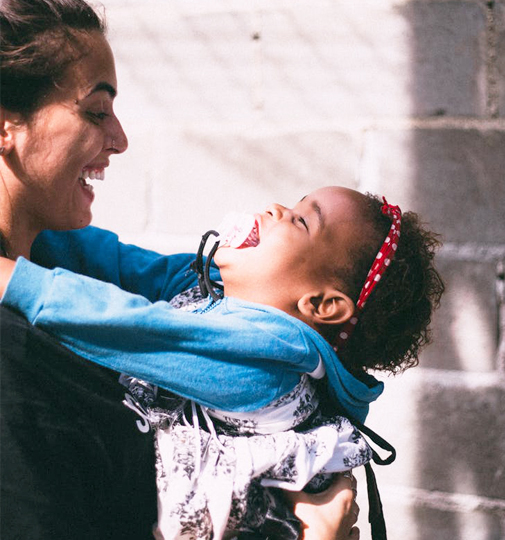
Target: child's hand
{"x":331,"y":514}
{"x":6,"y":269}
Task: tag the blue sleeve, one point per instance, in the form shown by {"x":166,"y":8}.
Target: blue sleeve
{"x":229,"y":361}
{"x":99,"y":254}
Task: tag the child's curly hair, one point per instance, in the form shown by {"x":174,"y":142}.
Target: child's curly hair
{"x":393,"y":326}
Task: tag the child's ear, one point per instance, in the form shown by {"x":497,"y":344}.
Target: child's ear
{"x":330,"y":306}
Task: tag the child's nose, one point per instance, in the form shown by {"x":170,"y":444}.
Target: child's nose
{"x":277,"y":211}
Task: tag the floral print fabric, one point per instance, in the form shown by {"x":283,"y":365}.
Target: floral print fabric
{"x":210,"y":484}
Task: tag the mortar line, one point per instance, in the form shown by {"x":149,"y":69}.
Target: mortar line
{"x":442,"y":500}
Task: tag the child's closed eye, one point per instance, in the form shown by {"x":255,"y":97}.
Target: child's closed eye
{"x":303,"y":222}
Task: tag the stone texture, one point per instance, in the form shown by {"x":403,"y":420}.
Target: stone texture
{"x":448,"y":58}
{"x":415,"y":518}
{"x":452,"y":177}
{"x":462,"y":453}
{"x":465,"y":333}
{"x":321,"y":59}
{"x":448,"y":431}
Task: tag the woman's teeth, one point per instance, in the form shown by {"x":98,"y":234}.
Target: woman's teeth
{"x":93,"y":174}
{"x":87,"y":187}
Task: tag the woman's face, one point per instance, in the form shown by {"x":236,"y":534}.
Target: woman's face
{"x":68,"y":139}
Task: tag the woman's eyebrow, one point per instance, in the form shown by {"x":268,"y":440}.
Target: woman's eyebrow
{"x":104,"y":86}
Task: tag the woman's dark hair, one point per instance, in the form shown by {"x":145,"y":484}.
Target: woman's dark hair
{"x":394,"y":324}
{"x":38,"y":40}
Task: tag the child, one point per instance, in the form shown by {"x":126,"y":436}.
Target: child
{"x":287,"y":301}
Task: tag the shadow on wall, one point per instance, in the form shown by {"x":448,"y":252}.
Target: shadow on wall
{"x":458,"y":187}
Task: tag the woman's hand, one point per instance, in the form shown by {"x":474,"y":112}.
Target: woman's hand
{"x":331,"y":514}
{"x":6,"y":269}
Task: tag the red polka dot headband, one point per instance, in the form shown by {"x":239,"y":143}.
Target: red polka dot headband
{"x":382,"y":261}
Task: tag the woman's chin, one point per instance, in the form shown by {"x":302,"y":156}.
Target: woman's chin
{"x":80,"y":220}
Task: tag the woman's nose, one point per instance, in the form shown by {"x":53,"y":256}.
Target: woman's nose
{"x":119,"y":139}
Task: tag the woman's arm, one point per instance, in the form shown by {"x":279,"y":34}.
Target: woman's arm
{"x":99,"y":254}
{"x":199,"y":356}
{"x":331,"y":514}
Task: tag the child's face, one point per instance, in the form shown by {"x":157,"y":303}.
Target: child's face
{"x":298,"y":251}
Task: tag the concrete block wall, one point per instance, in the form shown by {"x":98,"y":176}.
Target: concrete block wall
{"x":233,"y":104}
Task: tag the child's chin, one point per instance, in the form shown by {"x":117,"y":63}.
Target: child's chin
{"x":227,"y":255}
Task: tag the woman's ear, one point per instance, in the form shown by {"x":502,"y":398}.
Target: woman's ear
{"x":9,"y":121}
{"x":328,"y":307}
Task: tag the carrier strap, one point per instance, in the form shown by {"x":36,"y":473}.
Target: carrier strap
{"x":375,"y":511}
{"x":378,"y":440}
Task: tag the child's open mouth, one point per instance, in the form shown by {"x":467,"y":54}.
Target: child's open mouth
{"x":239,"y":231}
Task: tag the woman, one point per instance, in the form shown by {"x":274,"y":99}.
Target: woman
{"x":73,"y":462}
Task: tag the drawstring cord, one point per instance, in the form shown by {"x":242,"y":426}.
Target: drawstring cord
{"x":212,"y":429}
{"x":198,"y":439}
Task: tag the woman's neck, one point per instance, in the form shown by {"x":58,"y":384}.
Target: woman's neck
{"x":17,"y":232}
{"x":15,"y":245}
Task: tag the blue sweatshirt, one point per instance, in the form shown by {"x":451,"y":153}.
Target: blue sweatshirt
{"x":233,"y":355}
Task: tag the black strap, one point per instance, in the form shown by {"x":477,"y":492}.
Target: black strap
{"x":375,"y":511}
{"x":207,"y":285}
{"x":379,"y":441}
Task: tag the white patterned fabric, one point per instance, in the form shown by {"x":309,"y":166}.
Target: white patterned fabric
{"x":210,"y":483}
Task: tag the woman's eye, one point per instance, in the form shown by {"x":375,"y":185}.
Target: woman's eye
{"x":96,"y":117}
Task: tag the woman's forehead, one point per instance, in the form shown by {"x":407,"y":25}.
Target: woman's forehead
{"x":95,"y":70}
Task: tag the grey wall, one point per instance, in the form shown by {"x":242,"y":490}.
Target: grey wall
{"x":232,"y":104}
